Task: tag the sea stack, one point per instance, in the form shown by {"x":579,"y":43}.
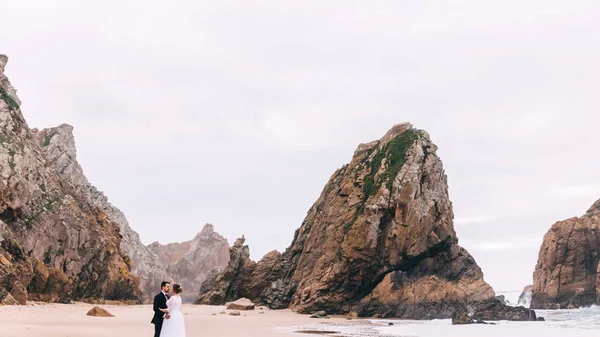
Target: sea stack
{"x":566,"y":275}
{"x":379,"y":241}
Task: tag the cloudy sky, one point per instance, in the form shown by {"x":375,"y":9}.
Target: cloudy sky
{"x":237,"y":112}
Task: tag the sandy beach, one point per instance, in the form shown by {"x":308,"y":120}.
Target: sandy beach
{"x":70,"y":320}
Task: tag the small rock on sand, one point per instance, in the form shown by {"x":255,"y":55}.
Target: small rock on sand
{"x":9,"y":300}
{"x":241,"y":304}
{"x":99,"y":312}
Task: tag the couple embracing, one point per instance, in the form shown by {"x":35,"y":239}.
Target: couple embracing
{"x":168,"y":320}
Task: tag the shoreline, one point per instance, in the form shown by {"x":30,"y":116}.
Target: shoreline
{"x":70,"y":320}
{"x":60,"y":320}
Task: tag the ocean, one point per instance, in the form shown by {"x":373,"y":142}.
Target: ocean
{"x":559,"y":323}
{"x":563,"y":323}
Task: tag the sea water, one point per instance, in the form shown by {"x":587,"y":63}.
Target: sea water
{"x":559,"y":323}
{"x":563,"y":323}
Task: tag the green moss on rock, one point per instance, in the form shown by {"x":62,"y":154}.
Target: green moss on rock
{"x":394,"y":152}
{"x":12,"y":104}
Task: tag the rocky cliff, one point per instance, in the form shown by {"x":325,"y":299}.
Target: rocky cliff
{"x":566,"y":275}
{"x":379,"y":241}
{"x":62,"y":239}
{"x":188,"y":263}
{"x":55,"y":243}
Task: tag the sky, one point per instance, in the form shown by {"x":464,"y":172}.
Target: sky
{"x":236,"y":113}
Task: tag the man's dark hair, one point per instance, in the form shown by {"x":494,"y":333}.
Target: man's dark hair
{"x":163,"y":284}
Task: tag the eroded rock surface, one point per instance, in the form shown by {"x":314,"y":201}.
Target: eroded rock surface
{"x":566,"y":274}
{"x":60,"y":237}
{"x":379,"y":241}
{"x":190,"y":263}
{"x":55,"y":244}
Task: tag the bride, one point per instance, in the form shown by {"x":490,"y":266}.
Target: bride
{"x":174,"y":326}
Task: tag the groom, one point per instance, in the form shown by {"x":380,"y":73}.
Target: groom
{"x":160,"y":302}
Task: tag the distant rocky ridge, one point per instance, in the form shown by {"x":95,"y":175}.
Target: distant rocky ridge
{"x":190,"y":263}
{"x":55,"y":226}
{"x":379,"y":241}
{"x":566,"y":274}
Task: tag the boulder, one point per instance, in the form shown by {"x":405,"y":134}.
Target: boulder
{"x":9,"y":300}
{"x":241,"y":304}
{"x":99,"y":312}
{"x":19,"y":292}
{"x":320,"y":314}
{"x":462,"y":317}
{"x":235,"y":313}
{"x":494,"y":310}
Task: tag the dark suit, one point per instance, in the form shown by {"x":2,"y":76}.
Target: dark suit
{"x":160,"y":302}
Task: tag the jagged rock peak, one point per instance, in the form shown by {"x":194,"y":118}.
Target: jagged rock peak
{"x":191,"y":262}
{"x":61,"y":135}
{"x":379,"y":241}
{"x":208,"y":231}
{"x":3,"y":61}
{"x":239,"y":242}
{"x":208,"y":228}
{"x":594,"y":208}
{"x":8,"y":94}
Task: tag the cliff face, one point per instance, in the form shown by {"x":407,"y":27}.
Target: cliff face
{"x":566,"y":275}
{"x":187,"y":263}
{"x":61,"y":239}
{"x":379,"y":241}
{"x":55,"y":242}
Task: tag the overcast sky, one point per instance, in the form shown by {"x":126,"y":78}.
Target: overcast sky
{"x":237,"y":112}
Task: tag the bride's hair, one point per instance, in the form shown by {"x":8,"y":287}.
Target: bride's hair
{"x":177,"y":288}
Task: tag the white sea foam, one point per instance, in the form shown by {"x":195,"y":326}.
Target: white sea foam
{"x":563,"y":323}
{"x":559,"y":323}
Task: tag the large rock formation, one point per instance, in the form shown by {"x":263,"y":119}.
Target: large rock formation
{"x":379,"y":241}
{"x":566,"y":275}
{"x":63,"y":240}
{"x":232,"y":282}
{"x":54,"y":241}
{"x":190,"y":263}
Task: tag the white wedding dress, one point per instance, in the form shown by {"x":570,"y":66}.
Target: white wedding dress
{"x":174,"y":326}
